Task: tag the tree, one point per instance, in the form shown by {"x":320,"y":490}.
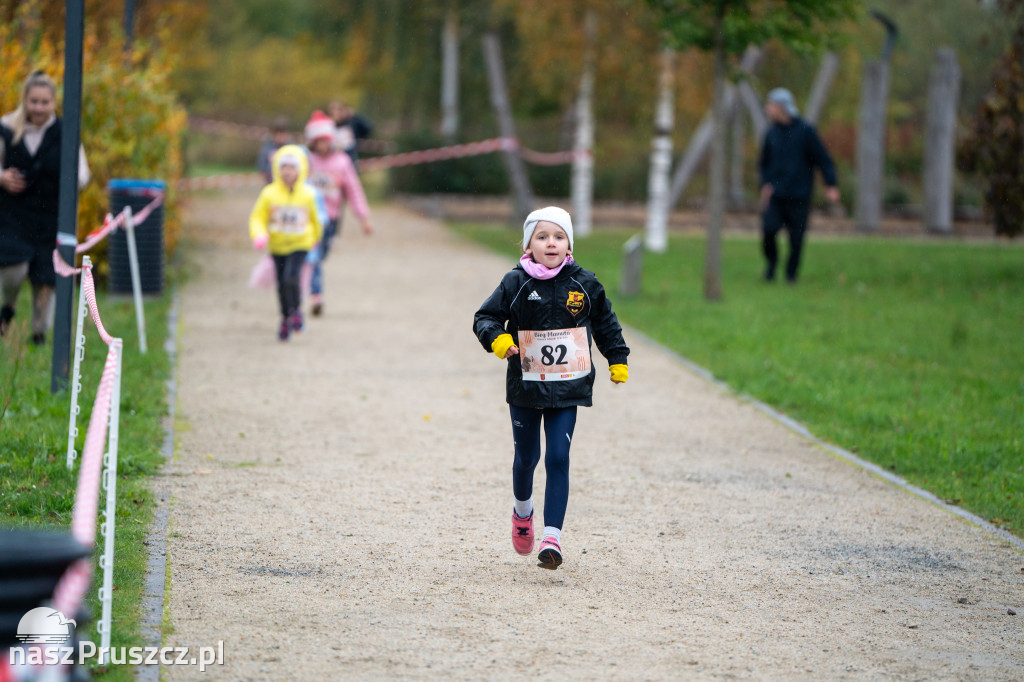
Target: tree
{"x":725,"y":28}
{"x":995,"y":146}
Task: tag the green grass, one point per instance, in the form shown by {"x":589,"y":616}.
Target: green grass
{"x":203,"y":170}
{"x":36,"y":488}
{"x":905,"y":352}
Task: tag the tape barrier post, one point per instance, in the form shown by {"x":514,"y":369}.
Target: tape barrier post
{"x":133,"y":264}
{"x":109,"y":516}
{"x":76,"y":373}
{"x":72,"y":587}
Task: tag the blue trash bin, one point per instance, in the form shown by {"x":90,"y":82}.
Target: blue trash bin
{"x":149,"y":237}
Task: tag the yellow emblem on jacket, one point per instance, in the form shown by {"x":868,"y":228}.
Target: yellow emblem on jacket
{"x":575,"y":302}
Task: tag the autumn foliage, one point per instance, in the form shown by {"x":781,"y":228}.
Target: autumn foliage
{"x":995,"y":146}
{"x":132,"y":123}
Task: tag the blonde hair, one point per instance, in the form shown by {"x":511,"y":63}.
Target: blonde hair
{"x":20,"y":116}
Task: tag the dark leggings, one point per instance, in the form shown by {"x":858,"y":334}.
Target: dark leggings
{"x":558,"y":427}
{"x":289,"y":268}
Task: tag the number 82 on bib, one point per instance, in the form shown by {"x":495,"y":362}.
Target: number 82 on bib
{"x":554,"y":355}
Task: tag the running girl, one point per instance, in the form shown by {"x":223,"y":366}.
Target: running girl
{"x":285,"y":220}
{"x":541,"y":319}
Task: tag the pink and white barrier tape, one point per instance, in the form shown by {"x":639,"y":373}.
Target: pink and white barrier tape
{"x":61,"y":267}
{"x":83,"y":518}
{"x":70,"y":592}
{"x":222,"y":181}
{"x":440,"y":154}
{"x":457,"y":151}
{"x":72,"y":588}
{"x":248,"y":132}
{"x":90,"y":296}
{"x":110,"y":223}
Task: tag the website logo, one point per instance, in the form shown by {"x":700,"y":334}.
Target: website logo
{"x":45,"y":626}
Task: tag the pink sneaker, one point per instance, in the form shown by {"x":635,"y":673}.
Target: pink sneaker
{"x":550,"y":554}
{"x":522,"y":533}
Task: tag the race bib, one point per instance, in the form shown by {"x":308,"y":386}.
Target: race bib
{"x":556,"y":355}
{"x":325,"y":183}
{"x":288,"y":219}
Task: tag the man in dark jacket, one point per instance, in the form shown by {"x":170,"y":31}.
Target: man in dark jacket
{"x":351,"y":127}
{"x":791,"y":150}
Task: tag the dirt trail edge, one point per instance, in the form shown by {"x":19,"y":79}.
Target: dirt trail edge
{"x":340,"y":504}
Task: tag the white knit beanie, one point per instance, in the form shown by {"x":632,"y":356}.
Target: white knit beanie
{"x":552,"y":214}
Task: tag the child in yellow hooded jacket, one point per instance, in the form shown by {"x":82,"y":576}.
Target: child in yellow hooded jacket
{"x":285,"y":221}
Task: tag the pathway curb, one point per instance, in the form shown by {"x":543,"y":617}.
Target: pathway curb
{"x":156,"y":565}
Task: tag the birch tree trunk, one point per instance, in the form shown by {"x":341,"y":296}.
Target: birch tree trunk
{"x":819,"y":90}
{"x":656,"y":232}
{"x":450,"y":76}
{"x":716,"y":213}
{"x":754,"y":105}
{"x":737,"y":160}
{"x":871,"y":146}
{"x":940,"y":142}
{"x":700,"y":141}
{"x":522,"y":194}
{"x":583,"y":143}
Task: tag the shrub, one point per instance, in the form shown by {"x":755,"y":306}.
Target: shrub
{"x":132,"y":123}
{"x":995,"y":145}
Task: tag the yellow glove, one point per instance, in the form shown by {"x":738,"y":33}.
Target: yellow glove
{"x":501,"y":345}
{"x":620,"y":373}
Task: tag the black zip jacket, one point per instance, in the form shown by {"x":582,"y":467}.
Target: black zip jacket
{"x":788,"y":157}
{"x":28,"y":221}
{"x":522,"y":302}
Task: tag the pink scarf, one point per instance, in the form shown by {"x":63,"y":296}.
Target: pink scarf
{"x":538,"y":271}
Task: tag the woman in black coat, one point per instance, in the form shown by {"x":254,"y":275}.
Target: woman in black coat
{"x":30,"y":141}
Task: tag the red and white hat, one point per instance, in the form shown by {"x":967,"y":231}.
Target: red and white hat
{"x":319,"y":125}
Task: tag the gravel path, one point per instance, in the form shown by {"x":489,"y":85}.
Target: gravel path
{"x":340,"y":504}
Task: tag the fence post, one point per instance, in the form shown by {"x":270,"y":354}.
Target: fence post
{"x":940,"y":140}
{"x":76,"y":373}
{"x":109,"y":479}
{"x":133,"y":264}
{"x":632,"y":266}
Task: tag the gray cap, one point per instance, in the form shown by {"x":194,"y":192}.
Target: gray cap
{"x":785,"y":98}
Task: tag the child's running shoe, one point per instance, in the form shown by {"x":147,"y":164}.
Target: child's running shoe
{"x":550,"y":554}
{"x":522,"y":533}
{"x":318,"y":304}
{"x":295,"y":321}
{"x":284,"y":330}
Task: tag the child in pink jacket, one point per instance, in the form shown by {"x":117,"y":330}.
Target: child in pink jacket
{"x":331,"y":171}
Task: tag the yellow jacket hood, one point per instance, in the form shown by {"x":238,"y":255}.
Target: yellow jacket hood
{"x":291,"y":152}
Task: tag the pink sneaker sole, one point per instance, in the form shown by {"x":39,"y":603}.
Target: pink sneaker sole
{"x":522,"y":534}
{"x":550,"y":554}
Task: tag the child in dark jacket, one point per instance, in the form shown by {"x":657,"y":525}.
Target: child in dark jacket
{"x":541,"y":319}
